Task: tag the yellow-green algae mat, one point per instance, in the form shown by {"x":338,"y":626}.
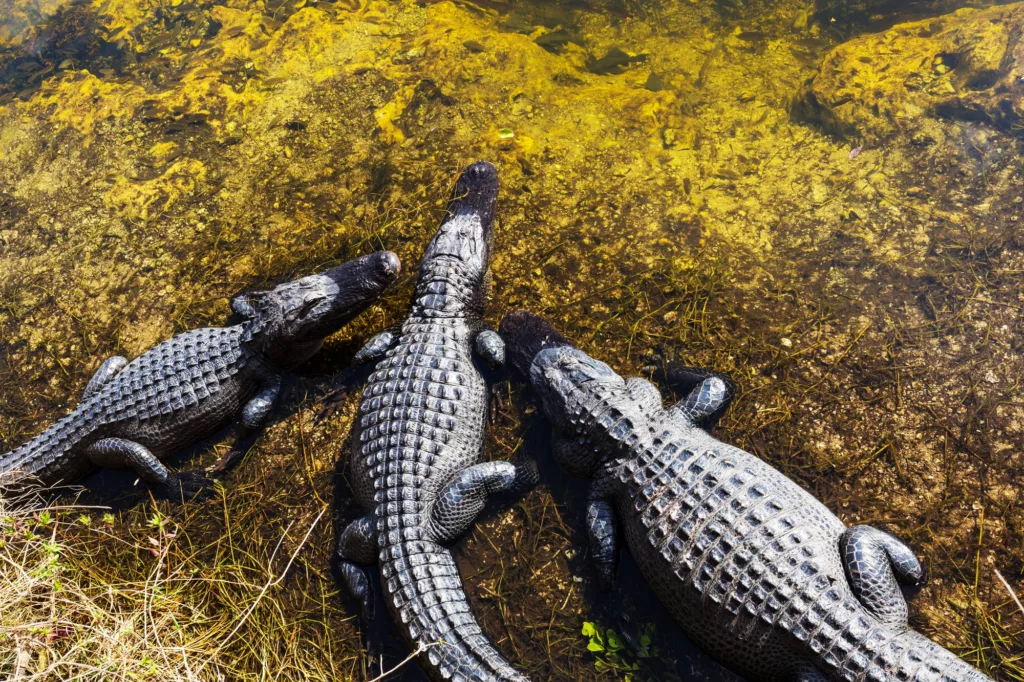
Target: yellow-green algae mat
{"x":664,"y":193}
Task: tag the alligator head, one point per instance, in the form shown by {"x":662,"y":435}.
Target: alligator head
{"x":290,"y":322}
{"x":573,"y":387}
{"x":457,"y":259}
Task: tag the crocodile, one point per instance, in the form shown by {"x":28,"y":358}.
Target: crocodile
{"x":134,"y":414}
{"x":751,"y":566}
{"x":416,"y":446}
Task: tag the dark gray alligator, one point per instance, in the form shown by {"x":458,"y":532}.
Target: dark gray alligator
{"x":133,"y":414}
{"x":751,"y":566}
{"x":417,"y":444}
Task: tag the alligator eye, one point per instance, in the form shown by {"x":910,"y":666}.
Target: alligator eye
{"x":307,"y":306}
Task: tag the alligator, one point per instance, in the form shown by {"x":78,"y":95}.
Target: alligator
{"x":751,"y":566}
{"x":134,"y":414}
{"x":416,"y":447}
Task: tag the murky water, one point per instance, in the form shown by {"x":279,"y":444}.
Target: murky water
{"x":820,"y":198}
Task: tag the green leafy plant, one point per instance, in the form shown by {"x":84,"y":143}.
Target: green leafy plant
{"x":611,"y":653}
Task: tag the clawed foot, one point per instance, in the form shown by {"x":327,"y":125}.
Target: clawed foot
{"x":187,"y":485}
{"x":332,"y":402}
{"x":341,"y":387}
{"x":357,"y":582}
{"x":495,"y":404}
{"x":227,"y":461}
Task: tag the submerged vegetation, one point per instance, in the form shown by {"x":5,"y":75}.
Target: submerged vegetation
{"x":738,"y":184}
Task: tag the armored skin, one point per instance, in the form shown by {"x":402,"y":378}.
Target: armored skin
{"x":416,"y":446}
{"x":752,"y":567}
{"x":133,"y":414}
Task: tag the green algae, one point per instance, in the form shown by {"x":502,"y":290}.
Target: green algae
{"x":867,"y":305}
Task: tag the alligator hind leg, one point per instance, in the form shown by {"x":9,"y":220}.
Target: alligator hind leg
{"x":107,"y":371}
{"x":602,"y":530}
{"x":357,"y":547}
{"x":465,"y":496}
{"x":876,"y":563}
{"x":118,"y":453}
{"x":527,"y":477}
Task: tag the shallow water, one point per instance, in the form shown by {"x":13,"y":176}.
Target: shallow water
{"x":811,"y":196}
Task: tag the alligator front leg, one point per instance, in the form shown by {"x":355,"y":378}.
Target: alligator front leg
{"x":118,"y":453}
{"x":603,"y":532}
{"x":706,"y":403}
{"x":254,"y":417}
{"x":490,"y":347}
{"x":465,"y":496}
{"x":876,"y":563}
{"x":356,"y":549}
{"x":107,"y":371}
{"x":372,"y":351}
{"x":257,"y":410}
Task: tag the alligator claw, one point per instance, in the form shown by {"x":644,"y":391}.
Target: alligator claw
{"x":340,"y":390}
{"x":332,"y":402}
{"x":187,"y":485}
{"x":230,"y":459}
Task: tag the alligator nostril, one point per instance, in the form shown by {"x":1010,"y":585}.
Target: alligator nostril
{"x":481,"y":169}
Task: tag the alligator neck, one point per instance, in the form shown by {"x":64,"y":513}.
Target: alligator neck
{"x":447,"y":287}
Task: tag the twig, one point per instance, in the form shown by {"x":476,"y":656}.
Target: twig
{"x":1009,"y":589}
{"x":419,"y":650}
{"x":22,"y":661}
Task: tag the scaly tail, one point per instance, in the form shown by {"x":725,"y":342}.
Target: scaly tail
{"x":46,"y":452}
{"x":862,"y":650}
{"x":426,"y":597}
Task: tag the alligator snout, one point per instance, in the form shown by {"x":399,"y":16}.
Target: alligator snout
{"x":481,"y":172}
{"x":318,"y":305}
{"x":371,"y":273}
{"x":390,"y":265}
{"x":476,"y":192}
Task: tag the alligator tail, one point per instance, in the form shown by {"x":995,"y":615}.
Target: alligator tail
{"x":44,"y":458}
{"x":882,"y":655}
{"x":426,"y":597}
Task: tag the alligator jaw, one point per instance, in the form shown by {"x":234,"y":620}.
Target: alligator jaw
{"x":456,"y":261}
{"x":316,"y":306}
{"x":567,"y":380}
{"x":557,"y":369}
{"x":468,"y":226}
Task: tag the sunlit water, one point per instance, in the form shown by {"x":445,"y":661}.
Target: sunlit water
{"x":799,"y":194}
